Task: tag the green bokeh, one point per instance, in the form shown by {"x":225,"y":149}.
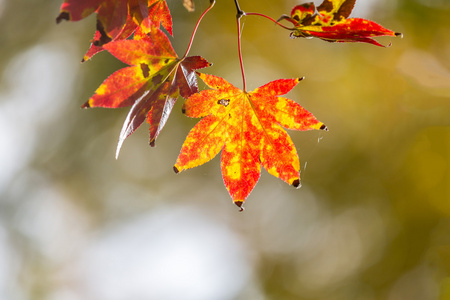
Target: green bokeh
{"x":371,"y":220}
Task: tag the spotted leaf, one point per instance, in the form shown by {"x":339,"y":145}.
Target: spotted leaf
{"x":150,"y":84}
{"x":247,"y":128}
{"x":330,"y":22}
{"x":117,"y":19}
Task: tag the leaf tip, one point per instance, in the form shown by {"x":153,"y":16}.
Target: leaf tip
{"x":399,"y":34}
{"x":86,"y":105}
{"x":63,"y":16}
{"x":119,"y":146}
{"x":301,"y":78}
{"x":296,"y":183}
{"x":284,"y":17}
{"x":152,"y":142}
{"x":175,"y":169}
{"x":323,"y":127}
{"x":239,"y":204}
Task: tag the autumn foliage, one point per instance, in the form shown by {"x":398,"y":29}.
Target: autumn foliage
{"x":150,"y":85}
{"x":330,"y":22}
{"x":248,"y":128}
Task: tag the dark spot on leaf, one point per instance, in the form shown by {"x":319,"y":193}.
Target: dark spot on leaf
{"x":63,"y":16}
{"x":345,"y":10}
{"x":337,"y":17}
{"x":104,"y":38}
{"x":145,"y":70}
{"x":176,"y":170}
{"x":326,"y":5}
{"x":157,"y":79}
{"x":166,"y":61}
{"x":223,"y":102}
{"x":308,"y":20}
{"x":229,"y":115}
{"x":323,"y":127}
{"x":296,"y":183}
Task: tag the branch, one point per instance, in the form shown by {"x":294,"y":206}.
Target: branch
{"x":239,"y":15}
{"x":211,"y":4}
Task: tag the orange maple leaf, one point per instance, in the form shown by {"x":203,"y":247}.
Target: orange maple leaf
{"x":150,"y":84}
{"x":247,"y":127}
{"x":331,"y":23}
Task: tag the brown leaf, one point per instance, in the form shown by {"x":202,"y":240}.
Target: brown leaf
{"x":189,"y":5}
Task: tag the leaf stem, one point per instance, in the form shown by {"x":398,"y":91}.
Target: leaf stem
{"x":267,"y":17}
{"x":239,"y":15}
{"x":211,"y":4}
{"x":240,"y":12}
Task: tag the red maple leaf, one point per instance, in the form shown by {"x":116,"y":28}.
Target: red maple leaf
{"x":247,"y":127}
{"x":331,"y":23}
{"x":150,"y":85}
{"x":117,"y":19}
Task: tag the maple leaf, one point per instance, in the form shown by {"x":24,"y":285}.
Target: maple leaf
{"x":247,"y":127}
{"x":117,"y":19}
{"x":159,"y":13}
{"x":150,"y":85}
{"x":96,"y":45}
{"x":331,"y":23}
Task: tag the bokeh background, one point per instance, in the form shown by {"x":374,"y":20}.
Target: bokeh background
{"x":371,"y":220}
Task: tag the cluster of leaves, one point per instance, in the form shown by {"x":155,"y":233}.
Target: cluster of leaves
{"x":246,"y":126}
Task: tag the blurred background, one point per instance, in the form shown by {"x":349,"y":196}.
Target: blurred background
{"x":371,"y":220}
